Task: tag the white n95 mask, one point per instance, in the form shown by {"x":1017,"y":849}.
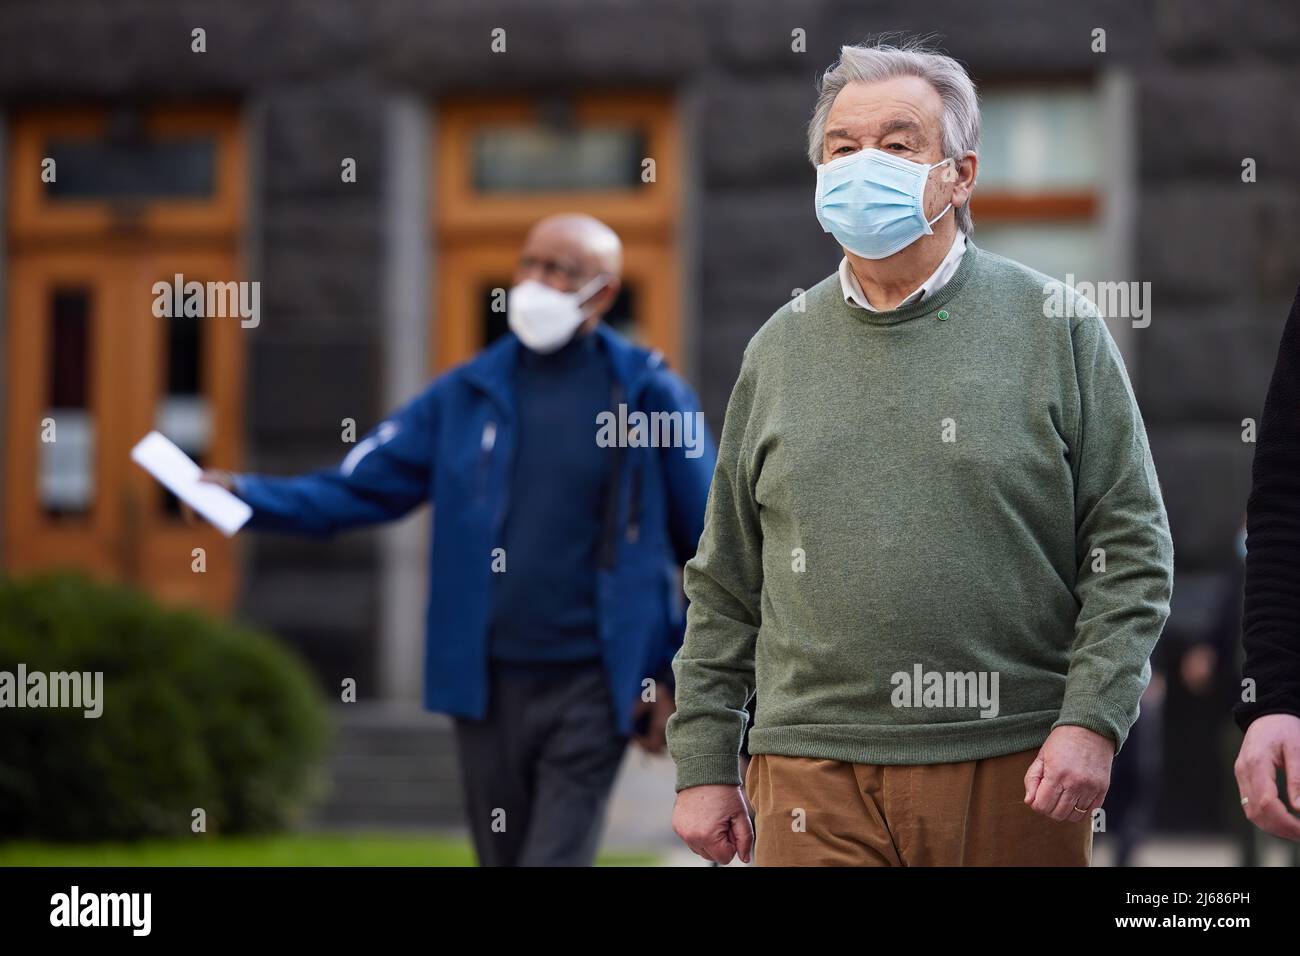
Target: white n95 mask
{"x":544,"y":318}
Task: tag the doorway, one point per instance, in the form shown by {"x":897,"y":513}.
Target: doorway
{"x":104,"y":204}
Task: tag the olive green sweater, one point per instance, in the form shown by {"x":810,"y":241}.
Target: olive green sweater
{"x":934,"y":534}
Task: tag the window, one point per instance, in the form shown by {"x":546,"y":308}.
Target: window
{"x":177,"y":172}
{"x":67,"y":460}
{"x":1037,"y":198}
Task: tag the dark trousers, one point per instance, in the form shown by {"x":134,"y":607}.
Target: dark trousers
{"x":538,"y":769}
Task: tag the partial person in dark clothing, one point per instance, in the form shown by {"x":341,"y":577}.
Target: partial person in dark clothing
{"x":1269,"y":709}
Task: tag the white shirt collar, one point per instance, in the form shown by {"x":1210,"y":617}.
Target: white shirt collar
{"x":857,"y":299}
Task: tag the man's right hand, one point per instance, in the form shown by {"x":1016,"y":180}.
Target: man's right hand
{"x":223,"y":478}
{"x":1272,"y":743}
{"x":713,"y":820}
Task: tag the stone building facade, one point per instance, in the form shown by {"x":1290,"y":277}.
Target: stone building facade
{"x":1181,"y":95}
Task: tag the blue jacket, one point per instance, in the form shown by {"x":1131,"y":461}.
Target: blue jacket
{"x":452,"y":446}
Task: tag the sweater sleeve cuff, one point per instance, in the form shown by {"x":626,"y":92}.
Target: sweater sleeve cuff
{"x":708,"y":769}
{"x":1099,"y":720}
{"x":1245,"y":715}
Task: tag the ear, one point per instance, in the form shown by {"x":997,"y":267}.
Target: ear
{"x":964,"y":171}
{"x":603,"y":300}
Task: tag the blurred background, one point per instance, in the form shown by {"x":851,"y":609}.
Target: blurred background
{"x":1118,"y":163}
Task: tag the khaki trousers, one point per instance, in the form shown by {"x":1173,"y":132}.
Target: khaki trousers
{"x":811,"y":812}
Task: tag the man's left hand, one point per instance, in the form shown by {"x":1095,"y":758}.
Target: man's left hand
{"x":1071,"y":774}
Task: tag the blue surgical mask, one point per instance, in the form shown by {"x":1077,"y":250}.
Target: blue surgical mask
{"x":874,"y":203}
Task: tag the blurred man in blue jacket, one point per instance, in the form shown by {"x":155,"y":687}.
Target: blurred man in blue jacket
{"x":558,"y":531}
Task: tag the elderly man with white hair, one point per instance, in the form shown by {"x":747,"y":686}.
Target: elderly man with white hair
{"x":935,"y":551}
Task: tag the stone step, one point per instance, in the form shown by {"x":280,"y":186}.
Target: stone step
{"x":391,"y":765}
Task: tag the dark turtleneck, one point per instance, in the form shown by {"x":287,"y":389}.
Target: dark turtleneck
{"x":544,"y":605}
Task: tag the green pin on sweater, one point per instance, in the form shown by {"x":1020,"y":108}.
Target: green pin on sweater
{"x":943,"y":315}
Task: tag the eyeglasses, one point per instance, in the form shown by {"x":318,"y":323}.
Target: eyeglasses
{"x":552,"y":267}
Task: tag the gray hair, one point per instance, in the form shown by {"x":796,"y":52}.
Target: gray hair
{"x":872,"y":62}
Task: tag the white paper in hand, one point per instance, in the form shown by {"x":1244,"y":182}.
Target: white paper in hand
{"x":159,"y":456}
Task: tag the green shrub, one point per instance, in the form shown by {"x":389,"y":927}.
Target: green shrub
{"x":197,"y":712}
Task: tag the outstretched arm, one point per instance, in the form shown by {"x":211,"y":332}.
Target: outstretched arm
{"x":388,"y":473}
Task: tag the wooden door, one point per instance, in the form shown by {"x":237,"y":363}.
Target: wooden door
{"x":66,"y":430}
{"x":90,"y":368}
{"x":185,"y":383}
